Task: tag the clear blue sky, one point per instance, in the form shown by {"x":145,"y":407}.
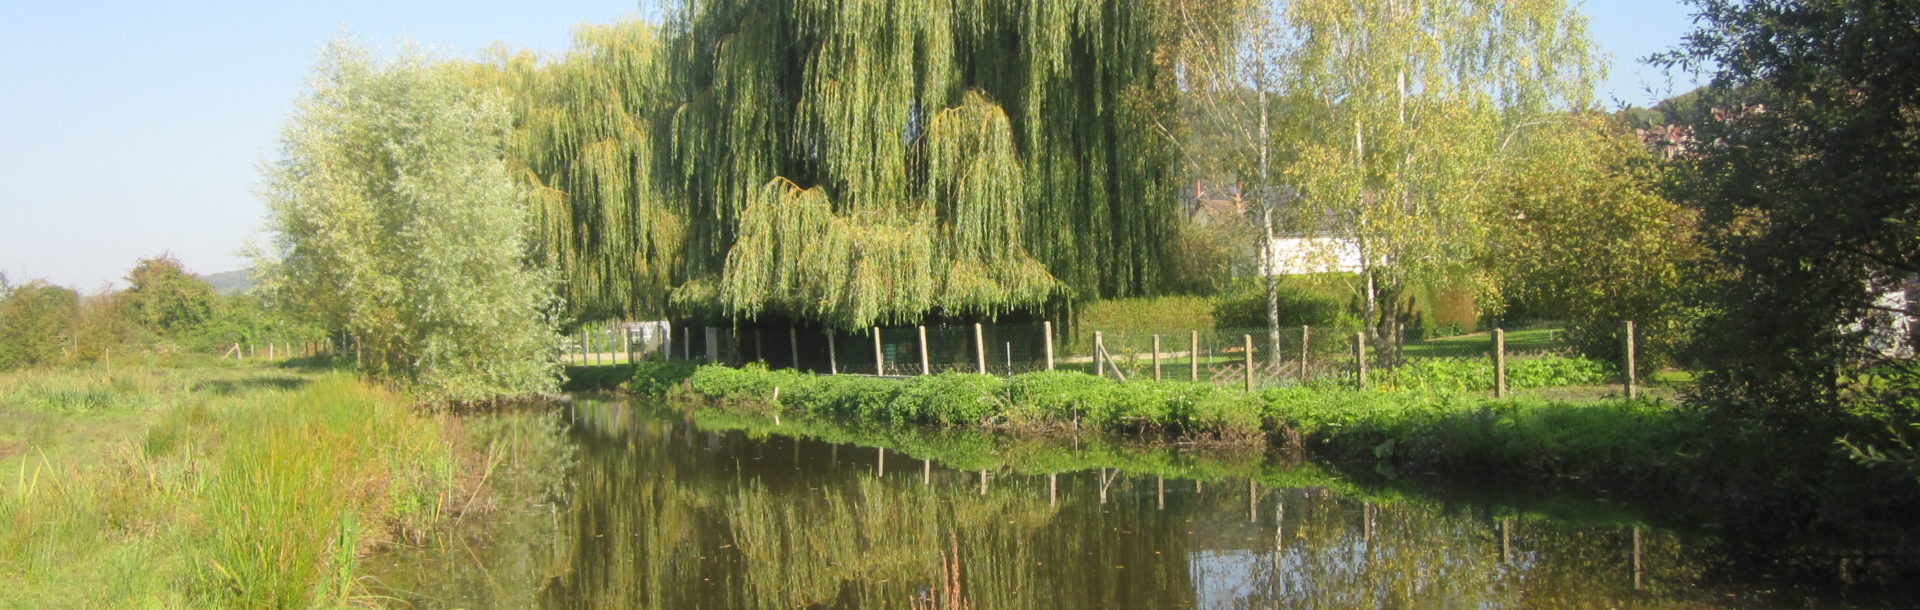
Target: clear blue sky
{"x":135,"y":128}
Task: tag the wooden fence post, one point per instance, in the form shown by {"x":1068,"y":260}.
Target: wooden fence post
{"x":1360,"y":358}
{"x":1156,"y":357}
{"x":1046,"y":329}
{"x":1099,"y":348}
{"x":1633,"y":389}
{"x":583,"y":348}
{"x":1193,"y":355}
{"x":879,"y":357}
{"x":1499,"y":363}
{"x":1303,"y":351}
{"x":926,"y":367}
{"x":626,"y":343}
{"x":980,"y":348}
{"x":833,"y":359}
{"x":1247,"y":357}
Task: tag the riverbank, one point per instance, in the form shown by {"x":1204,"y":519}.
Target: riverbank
{"x":1434,"y":418}
{"x":214,"y":485}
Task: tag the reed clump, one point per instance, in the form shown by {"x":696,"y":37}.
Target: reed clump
{"x":252,"y":487}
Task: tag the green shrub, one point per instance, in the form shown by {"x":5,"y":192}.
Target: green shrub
{"x":1557,"y":371}
{"x":655,"y":377}
{"x":950,"y":398}
{"x":1321,"y":301}
{"x":1476,"y":374}
{"x":1054,"y":395}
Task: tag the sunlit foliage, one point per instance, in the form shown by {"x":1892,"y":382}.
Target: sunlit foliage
{"x":395,"y":221}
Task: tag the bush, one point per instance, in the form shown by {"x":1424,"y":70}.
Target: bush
{"x":1476,"y":374}
{"x":656,"y":377}
{"x":1049,"y":396}
{"x":1319,"y":300}
{"x":36,"y":321}
{"x":950,"y":398}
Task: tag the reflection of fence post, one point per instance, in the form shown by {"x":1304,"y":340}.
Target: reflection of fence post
{"x":793,"y":347}
{"x":1637,"y":571}
{"x":833,"y":359}
{"x":925,"y":367}
{"x":1193,"y":355}
{"x":1360,"y":358}
{"x":1099,"y":349}
{"x":1247,"y":356}
{"x":879,"y":357}
{"x":1499,"y":363}
{"x":979,"y":349}
{"x":1156,"y":357}
{"x":1633,"y":390}
{"x":1047,"y":331}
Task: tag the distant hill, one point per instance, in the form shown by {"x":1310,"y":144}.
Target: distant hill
{"x":230,"y":282}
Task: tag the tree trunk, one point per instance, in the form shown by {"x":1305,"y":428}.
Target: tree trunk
{"x":1273,"y":289}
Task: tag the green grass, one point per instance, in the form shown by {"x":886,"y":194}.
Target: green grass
{"x":233,"y":486}
{"x":1480,"y":344}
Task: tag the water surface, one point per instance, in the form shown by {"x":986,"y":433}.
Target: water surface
{"x":605,"y":504}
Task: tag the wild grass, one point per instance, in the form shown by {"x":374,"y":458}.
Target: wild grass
{"x":228,"y":487}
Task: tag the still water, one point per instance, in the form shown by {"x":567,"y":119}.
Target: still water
{"x":610,"y":505}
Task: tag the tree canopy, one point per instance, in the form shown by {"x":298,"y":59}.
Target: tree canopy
{"x":851,"y":162}
{"x":1806,"y":181}
{"x":395,"y":221}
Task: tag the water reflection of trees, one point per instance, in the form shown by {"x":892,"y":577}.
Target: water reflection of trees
{"x":664,"y":513}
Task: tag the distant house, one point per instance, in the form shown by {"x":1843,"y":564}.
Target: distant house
{"x":1306,"y":255}
{"x":1207,"y":203}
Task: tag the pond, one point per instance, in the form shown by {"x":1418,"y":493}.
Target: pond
{"x":607,"y":504}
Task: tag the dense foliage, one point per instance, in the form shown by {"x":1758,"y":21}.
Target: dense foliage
{"x":396,"y":221}
{"x":36,"y":324}
{"x":1585,"y":233}
{"x":850,"y":163}
{"x":1805,"y":178}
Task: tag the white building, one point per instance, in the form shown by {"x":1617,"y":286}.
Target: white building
{"x":1305,"y":255}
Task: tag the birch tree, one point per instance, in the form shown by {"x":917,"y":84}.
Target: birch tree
{"x":1399,"y":113}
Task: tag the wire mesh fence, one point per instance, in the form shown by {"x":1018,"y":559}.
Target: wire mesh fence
{"x":1230,"y":357}
{"x":1220,"y":356}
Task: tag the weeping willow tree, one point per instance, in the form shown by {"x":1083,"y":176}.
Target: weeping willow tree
{"x":851,"y":163}
{"x":585,"y":144}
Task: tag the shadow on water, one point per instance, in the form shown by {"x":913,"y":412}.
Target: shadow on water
{"x":612,"y":505}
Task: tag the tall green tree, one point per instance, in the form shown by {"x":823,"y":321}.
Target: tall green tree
{"x":970,"y":157}
{"x":395,"y":221}
{"x":1400,"y":113}
{"x":1806,"y":177}
{"x":1586,"y":231}
{"x":166,"y":299}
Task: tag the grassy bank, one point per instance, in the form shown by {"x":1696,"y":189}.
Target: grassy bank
{"x":1561,"y":428}
{"x":1436,"y":413}
{"x":223,"y":486}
